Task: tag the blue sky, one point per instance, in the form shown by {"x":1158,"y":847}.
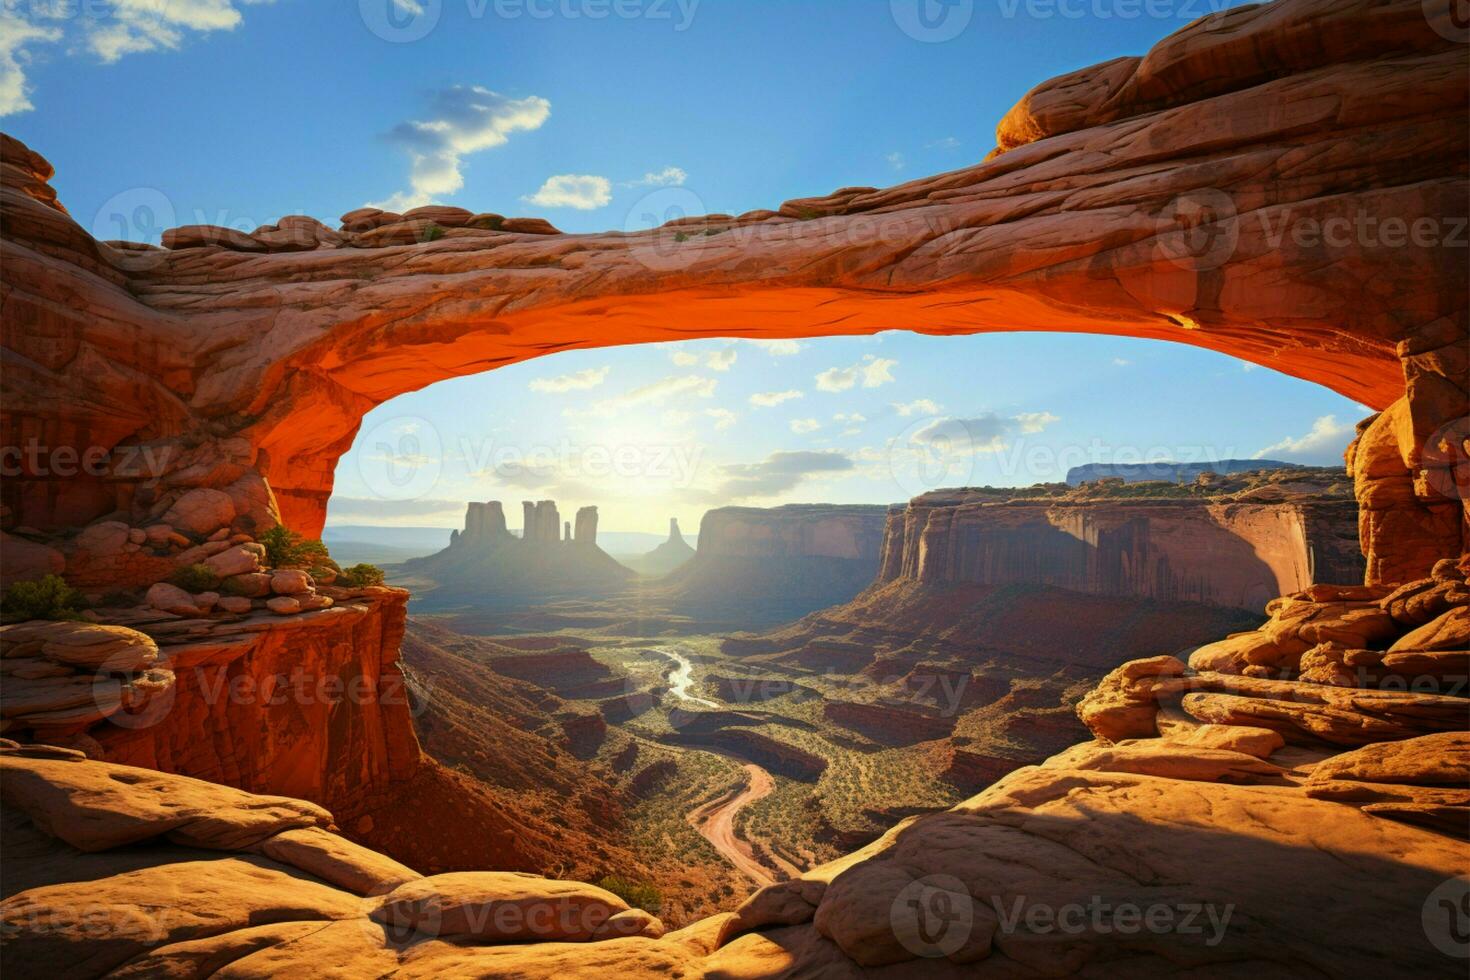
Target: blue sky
{"x":168,"y":112}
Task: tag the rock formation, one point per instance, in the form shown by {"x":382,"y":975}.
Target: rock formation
{"x":771,"y":565}
{"x":668,"y":556}
{"x":487,"y":566}
{"x":1170,"y":472}
{"x":1101,"y":211}
{"x":1231,"y":541}
{"x":1182,"y":195}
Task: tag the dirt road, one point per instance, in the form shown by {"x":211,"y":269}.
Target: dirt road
{"x":716,"y":822}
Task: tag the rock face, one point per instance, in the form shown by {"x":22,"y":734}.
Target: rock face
{"x":781,"y":562}
{"x":1235,"y":541}
{"x":1169,"y":472}
{"x":487,"y":566}
{"x":1101,"y":211}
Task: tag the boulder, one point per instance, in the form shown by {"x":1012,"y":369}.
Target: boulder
{"x":95,"y":647}
{"x":99,"y":805}
{"x":236,"y":604}
{"x":336,"y":860}
{"x":1451,"y":631}
{"x":201,"y":511}
{"x":291,"y":581}
{"x":26,"y":561}
{"x":172,"y":599}
{"x":497,"y":907}
{"x":251,"y":585}
{"x":1124,"y":703}
{"x":239,"y":560}
{"x":201,"y":236}
{"x":633,"y":922}
{"x":786,"y":903}
{"x":283,"y":605}
{"x":1168,"y":758}
{"x":1258,"y":742}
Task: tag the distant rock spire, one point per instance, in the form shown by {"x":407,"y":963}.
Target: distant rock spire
{"x":586,"y":531}
{"x":674,"y":534}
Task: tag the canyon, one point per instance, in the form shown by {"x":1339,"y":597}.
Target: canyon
{"x":1314,"y":762}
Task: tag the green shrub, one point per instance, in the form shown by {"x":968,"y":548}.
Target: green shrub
{"x":679,"y":236}
{"x":639,"y":894}
{"x":432,"y":234}
{"x":284,"y":548}
{"x":360,"y":576}
{"x":490,"y":222}
{"x":195,"y":578}
{"x":45,"y":598}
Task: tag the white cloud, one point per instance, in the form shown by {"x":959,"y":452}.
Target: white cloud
{"x":577,"y":381}
{"x":721,"y":360}
{"x":778,"y":348}
{"x":920,"y":406}
{"x":849,"y":417}
{"x":769,"y":399}
{"x":947,"y":143}
{"x":724,"y":418}
{"x":657,"y":392}
{"x":778,"y":473}
{"x":667,"y":177}
{"x":15,"y":34}
{"x":801,"y":426}
{"x":1247,"y":366}
{"x":111,"y":30}
{"x":1121,"y":362}
{"x":463,"y":119}
{"x":896,"y":160}
{"x":982,"y":434}
{"x":585,"y":192}
{"x":1326,"y":439}
{"x":871,"y":371}
{"x":683,"y":358}
{"x":1032,"y":422}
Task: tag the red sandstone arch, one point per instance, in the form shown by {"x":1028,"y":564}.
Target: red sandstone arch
{"x":1168,"y":197}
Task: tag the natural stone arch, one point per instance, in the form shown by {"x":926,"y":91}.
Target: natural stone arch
{"x":1170,"y":197}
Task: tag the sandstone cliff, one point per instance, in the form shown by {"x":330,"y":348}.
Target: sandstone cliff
{"x":1228,"y":541}
{"x":768,"y":565}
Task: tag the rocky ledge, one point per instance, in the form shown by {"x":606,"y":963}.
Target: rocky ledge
{"x":1167,"y":843}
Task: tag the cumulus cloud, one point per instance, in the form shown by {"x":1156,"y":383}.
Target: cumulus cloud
{"x":723,"y":417}
{"x":1325,"y":441}
{"x":872,"y":371}
{"x":667,"y":177}
{"x":577,"y":381}
{"x":778,"y":473}
{"x":462,"y":119}
{"x":985,"y":433}
{"x":118,"y":28}
{"x":684,"y":358}
{"x":896,"y":160}
{"x":802,"y":426}
{"x":585,"y":192}
{"x":721,"y":360}
{"x":1121,"y":362}
{"x":769,"y":399}
{"x":778,"y":348}
{"x":655,"y":393}
{"x":919,"y":406}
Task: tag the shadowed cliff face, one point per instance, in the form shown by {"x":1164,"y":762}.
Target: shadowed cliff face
{"x":1234,"y":543}
{"x":1161,"y":197}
